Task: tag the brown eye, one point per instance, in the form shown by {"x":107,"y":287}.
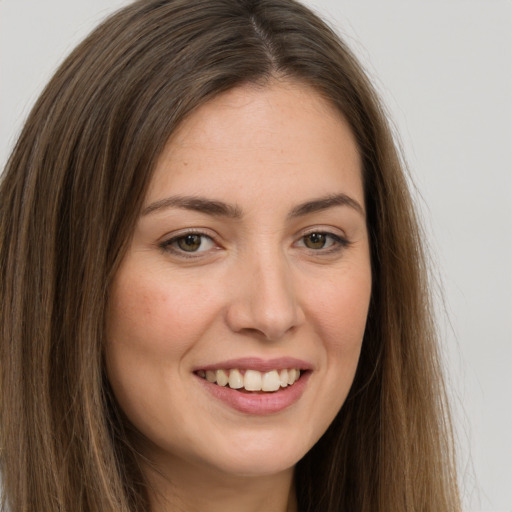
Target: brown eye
{"x":322,"y":241}
{"x":315,"y":240}
{"x":189,"y":243}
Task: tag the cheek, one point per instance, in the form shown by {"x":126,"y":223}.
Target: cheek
{"x":341,"y":310}
{"x":157,"y":316}
{"x":338,"y":311}
{"x":153,"y":323}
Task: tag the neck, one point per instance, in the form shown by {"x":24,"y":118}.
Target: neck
{"x":180,"y":487}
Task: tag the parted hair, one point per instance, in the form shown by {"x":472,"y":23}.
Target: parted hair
{"x":70,"y":195}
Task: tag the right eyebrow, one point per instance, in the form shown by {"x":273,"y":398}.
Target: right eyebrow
{"x":195,"y":203}
{"x":326,"y":202}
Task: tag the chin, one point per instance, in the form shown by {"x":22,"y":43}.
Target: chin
{"x":262,"y":455}
{"x":258,"y":466}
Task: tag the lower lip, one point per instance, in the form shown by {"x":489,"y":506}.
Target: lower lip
{"x":258,"y":403}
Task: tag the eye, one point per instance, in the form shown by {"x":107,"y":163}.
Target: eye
{"x":189,"y":243}
{"x":316,"y":240}
{"x":320,"y":240}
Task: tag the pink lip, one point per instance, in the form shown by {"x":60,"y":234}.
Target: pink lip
{"x":256,"y":363}
{"x":258,"y":403}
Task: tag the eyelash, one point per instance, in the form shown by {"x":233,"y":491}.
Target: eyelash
{"x":338,"y":243}
{"x":167,"y":245}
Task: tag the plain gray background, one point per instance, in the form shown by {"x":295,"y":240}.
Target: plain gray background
{"x":444,"y":69}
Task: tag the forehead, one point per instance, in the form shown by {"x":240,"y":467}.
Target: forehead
{"x":256,"y":138}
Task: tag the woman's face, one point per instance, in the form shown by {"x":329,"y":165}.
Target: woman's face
{"x":249,"y":264}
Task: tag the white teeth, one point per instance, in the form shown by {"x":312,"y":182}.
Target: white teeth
{"x":293,"y":375}
{"x":252,"y":380}
{"x":270,"y":381}
{"x":283,"y":377}
{"x":236,"y":380}
{"x":222,"y":377}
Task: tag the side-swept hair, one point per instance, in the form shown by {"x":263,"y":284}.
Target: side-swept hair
{"x":70,"y":196}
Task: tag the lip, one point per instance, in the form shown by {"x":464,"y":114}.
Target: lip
{"x":258,"y":403}
{"x":258,"y":364}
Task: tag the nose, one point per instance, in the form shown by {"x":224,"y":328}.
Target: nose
{"x":264,"y":299}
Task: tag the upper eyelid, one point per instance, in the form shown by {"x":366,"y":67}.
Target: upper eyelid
{"x":167,"y":241}
{"x":328,"y":230}
{"x":187,"y":231}
{"x":340,"y":239}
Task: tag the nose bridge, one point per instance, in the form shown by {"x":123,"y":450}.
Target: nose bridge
{"x":266,"y":298}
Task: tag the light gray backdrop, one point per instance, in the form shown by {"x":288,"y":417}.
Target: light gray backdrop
{"x":444,"y":68}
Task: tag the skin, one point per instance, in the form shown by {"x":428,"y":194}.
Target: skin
{"x":254,"y":286}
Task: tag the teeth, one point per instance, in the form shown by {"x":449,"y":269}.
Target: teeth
{"x":293,"y":375}
{"x":270,"y":381}
{"x":252,"y":380}
{"x":283,"y":378}
{"x":236,"y":380}
{"x":222,"y":377}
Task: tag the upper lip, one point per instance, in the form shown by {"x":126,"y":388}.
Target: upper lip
{"x":258,"y":364}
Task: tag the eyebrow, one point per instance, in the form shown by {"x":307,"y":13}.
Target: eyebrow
{"x":198,"y":204}
{"x":221,"y":209}
{"x":324,"y":203}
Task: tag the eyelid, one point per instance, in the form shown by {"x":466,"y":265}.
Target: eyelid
{"x":325,"y":229}
{"x":166,"y":242}
{"x":341,"y":241}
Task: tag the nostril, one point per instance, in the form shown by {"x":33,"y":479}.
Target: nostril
{"x":267,"y":322}
{"x":264,"y":301}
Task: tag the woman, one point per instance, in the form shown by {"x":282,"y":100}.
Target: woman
{"x":214,"y":294}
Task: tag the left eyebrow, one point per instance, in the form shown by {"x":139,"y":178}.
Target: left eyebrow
{"x":324,"y":203}
{"x":194,"y":203}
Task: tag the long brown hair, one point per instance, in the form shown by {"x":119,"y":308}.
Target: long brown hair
{"x":70,"y":196}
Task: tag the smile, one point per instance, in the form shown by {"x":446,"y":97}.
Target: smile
{"x":252,"y":380}
{"x":256,"y":386}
